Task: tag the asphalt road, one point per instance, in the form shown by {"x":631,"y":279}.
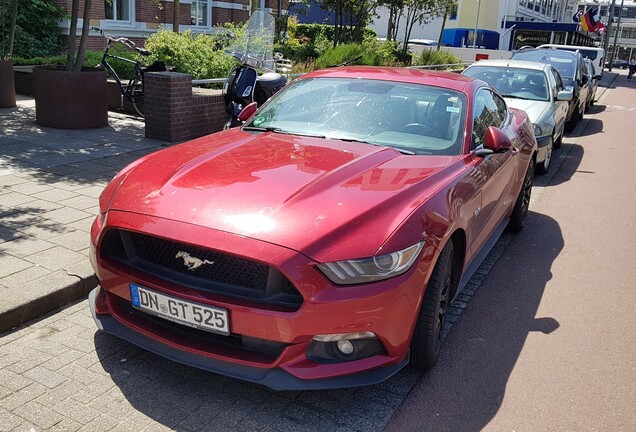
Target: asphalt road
{"x":543,"y":339}
{"x":549,"y":340}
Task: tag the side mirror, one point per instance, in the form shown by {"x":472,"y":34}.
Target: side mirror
{"x":247,"y":112}
{"x":495,"y":141}
{"x":565,"y":95}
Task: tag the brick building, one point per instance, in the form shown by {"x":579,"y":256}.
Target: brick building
{"x":137,"y":19}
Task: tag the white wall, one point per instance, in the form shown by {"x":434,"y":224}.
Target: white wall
{"x":426,"y":31}
{"x":468,"y":54}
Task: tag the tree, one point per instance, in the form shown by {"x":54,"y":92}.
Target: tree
{"x":395,"y":8}
{"x":446,"y":7}
{"x":75,"y":56}
{"x":350,"y":18}
{"x":8,"y":19}
{"x":417,"y":12}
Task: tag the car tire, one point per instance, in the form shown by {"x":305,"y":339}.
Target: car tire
{"x":570,"y":125}
{"x":427,"y":336}
{"x":523,"y":201}
{"x":543,"y":167}
{"x":559,"y":141}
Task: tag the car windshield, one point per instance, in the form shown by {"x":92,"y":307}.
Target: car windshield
{"x":414,"y":119}
{"x":513,"y":82}
{"x":564,"y":62}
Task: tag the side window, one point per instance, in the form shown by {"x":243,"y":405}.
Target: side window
{"x":559,"y":81}
{"x":489,"y":110}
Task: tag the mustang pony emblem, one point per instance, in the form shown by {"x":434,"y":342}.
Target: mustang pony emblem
{"x":191,"y":262}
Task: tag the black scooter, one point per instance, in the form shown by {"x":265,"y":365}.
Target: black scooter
{"x":243,"y":85}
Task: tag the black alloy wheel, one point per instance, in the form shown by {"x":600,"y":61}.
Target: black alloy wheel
{"x":523,"y":201}
{"x":427,"y":336}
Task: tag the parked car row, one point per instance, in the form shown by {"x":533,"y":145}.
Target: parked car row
{"x":554,"y":86}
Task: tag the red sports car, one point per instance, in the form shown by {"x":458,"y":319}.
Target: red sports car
{"x":320,"y":244}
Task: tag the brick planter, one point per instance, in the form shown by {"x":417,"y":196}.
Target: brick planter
{"x":70,"y":100}
{"x":175,"y":112}
{"x":7,"y":84}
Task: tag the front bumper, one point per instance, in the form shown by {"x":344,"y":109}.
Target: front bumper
{"x":326,"y":309}
{"x":274,"y":378}
{"x":543,"y":148}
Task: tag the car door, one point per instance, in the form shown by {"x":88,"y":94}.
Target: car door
{"x":560,"y":108}
{"x":494,"y":173}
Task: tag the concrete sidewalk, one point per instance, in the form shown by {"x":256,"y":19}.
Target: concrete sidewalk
{"x":50,"y":180}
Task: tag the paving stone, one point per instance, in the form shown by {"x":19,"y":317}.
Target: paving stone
{"x":22,"y":397}
{"x":45,"y":229}
{"x":9,"y":421}
{"x":45,"y":377}
{"x":17,"y":280}
{"x":39,"y":415}
{"x":30,"y":358}
{"x":76,"y":411}
{"x":37,"y":207}
{"x":74,"y":240}
{"x":66,"y":425}
{"x":13,"y":381}
{"x":93,"y":191}
{"x":55,"y":258}
{"x":103,"y":423}
{"x":55,"y":195}
{"x":10,"y":179}
{"x":24,"y":246}
{"x":66,"y":215}
{"x":83,"y":224}
{"x":81,"y":202}
{"x":30,"y":188}
{"x":10,"y":265}
{"x":14,"y":198}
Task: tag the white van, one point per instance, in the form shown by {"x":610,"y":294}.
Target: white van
{"x":595,"y":54}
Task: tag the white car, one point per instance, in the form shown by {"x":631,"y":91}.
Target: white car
{"x":536,"y":88}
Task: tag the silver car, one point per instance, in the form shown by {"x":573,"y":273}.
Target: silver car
{"x":592,"y":83}
{"x":536,"y":88}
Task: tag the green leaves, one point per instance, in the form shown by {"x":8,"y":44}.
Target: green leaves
{"x":195,"y":54}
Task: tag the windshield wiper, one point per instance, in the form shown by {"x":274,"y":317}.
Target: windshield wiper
{"x":280,"y":131}
{"x":516,"y":97}
{"x":401,"y":150}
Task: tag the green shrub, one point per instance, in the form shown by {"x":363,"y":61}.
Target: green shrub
{"x":91,"y":60}
{"x":37,"y":33}
{"x":371,"y":53}
{"x":195,"y":54}
{"x":433,"y":57}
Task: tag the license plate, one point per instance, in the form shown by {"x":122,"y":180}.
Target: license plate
{"x":208,"y":318}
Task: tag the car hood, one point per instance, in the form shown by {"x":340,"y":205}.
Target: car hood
{"x":304,"y":193}
{"x":534,"y":109}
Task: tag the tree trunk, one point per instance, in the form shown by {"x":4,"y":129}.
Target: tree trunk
{"x":84,"y":39}
{"x":70,"y":53}
{"x":441,"y":32}
{"x":14,"y":18}
{"x":175,"y":16}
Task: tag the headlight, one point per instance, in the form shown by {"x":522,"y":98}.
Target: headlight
{"x":537,"y":130}
{"x":371,"y":269}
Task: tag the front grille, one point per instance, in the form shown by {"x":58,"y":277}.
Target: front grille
{"x":200,"y":268}
{"x":235,"y":346}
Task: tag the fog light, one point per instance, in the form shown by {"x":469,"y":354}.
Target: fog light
{"x":345,"y":347}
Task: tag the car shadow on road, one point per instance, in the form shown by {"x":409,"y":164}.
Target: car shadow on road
{"x":183,"y":398}
{"x":465,"y":390}
{"x":566,"y":162}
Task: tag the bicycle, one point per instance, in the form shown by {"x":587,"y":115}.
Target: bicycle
{"x":133,"y":90}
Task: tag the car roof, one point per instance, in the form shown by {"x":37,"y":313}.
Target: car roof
{"x":520,"y":64}
{"x":569,"y":47}
{"x":550,"y":52}
{"x":450,"y":80}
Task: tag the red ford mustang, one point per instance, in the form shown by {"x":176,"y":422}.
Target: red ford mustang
{"x":320,"y":244}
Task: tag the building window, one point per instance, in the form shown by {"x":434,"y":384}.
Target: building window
{"x":117,"y":10}
{"x":199,"y":13}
